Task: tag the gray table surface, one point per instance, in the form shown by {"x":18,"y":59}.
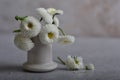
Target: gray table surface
{"x":104,"y":53}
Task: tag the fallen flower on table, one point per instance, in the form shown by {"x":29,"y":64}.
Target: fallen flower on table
{"x":89,"y":67}
{"x":75,"y":63}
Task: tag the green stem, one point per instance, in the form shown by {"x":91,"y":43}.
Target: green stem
{"x":76,"y":61}
{"x":61,"y":31}
{"x":61,"y":60}
{"x":55,"y":14}
{"x":17,"y":30}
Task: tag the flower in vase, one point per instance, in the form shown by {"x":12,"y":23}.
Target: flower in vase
{"x":56,"y":21}
{"x":74,"y":63}
{"x":53,"y":11}
{"x":30,"y":27}
{"x":49,"y":33}
{"x":23,"y":43}
{"x":66,"y":39}
{"x":43,"y":22}
{"x":45,"y":15}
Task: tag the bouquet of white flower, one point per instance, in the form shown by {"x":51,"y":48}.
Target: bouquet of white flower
{"x":36,"y":36}
{"x":47,"y":28}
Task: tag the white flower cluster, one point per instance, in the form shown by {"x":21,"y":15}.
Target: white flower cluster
{"x":47,"y":29}
{"x":76,"y":63}
{"x":29,"y":27}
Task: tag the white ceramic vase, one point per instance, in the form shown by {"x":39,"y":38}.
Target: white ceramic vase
{"x":40,"y":58}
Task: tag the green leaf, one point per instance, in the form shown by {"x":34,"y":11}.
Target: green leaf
{"x":16,"y":18}
{"x":20,"y":18}
{"x":24,"y":17}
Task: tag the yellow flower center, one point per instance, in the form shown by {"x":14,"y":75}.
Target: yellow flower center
{"x":66,"y":41}
{"x":30,"y":25}
{"x":50,"y":35}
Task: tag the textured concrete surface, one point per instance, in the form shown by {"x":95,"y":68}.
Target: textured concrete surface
{"x":81,"y":17}
{"x":103,"y":52}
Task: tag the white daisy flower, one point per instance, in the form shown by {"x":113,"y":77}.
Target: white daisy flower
{"x":53,"y":11}
{"x":56,"y":21}
{"x":67,"y":39}
{"x":23,"y":43}
{"x":71,"y":64}
{"x":79,"y":61}
{"x":90,"y":67}
{"x":30,"y":27}
{"x":45,"y":15}
{"x":49,"y":33}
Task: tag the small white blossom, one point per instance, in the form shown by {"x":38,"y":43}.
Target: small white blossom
{"x":67,"y":39}
{"x":90,"y":67}
{"x":45,"y":15}
{"x":74,"y":62}
{"x":79,"y":60}
{"x":23,"y":43}
{"x":30,"y":27}
{"x":53,"y":11}
{"x":49,"y":33}
{"x":71,"y":64}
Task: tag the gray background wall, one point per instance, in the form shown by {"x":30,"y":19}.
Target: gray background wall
{"x":81,"y":17}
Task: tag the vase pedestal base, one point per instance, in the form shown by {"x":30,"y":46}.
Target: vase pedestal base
{"x":40,"y":67}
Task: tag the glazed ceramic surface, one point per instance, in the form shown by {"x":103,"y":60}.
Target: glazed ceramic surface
{"x":40,"y":58}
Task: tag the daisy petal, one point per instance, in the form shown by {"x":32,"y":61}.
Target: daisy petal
{"x":23,"y":43}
